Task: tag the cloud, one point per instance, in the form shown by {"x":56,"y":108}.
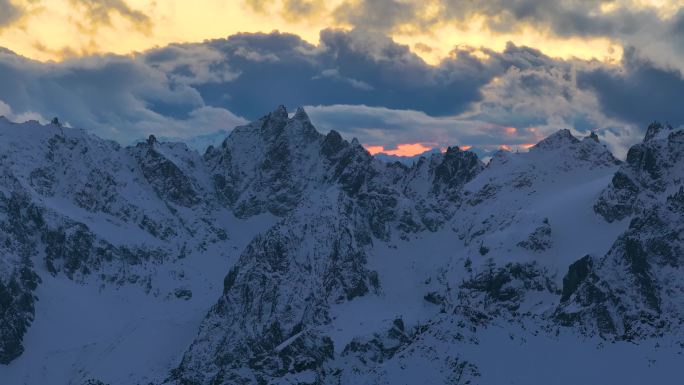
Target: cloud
{"x":115,"y":97}
{"x":348,"y":67}
{"x":298,"y":10}
{"x":528,"y":97}
{"x":9,"y":13}
{"x":381,"y":15}
{"x":194,"y":64}
{"x":260,"y":6}
{"x":6,"y":111}
{"x":360,"y":83}
{"x":561,"y":17}
{"x":656,"y":27}
{"x":335,"y":74}
{"x":539,"y":100}
{"x":639,"y":91}
{"x":379,"y":126}
{"x":99,"y":13}
{"x":245,"y":75}
{"x":564,"y":18}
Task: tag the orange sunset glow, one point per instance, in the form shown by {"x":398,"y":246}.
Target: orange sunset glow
{"x":405,"y":149}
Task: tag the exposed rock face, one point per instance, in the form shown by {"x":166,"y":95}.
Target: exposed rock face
{"x":281,"y":290}
{"x":171,"y":198}
{"x":540,"y":239}
{"x":19,"y":219}
{"x":268,"y":164}
{"x":165,"y":177}
{"x":635,"y":290}
{"x":339,"y":268}
{"x":650,"y":167}
{"x":498,"y":291}
{"x":76,"y":206}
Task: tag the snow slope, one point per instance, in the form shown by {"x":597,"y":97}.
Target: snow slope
{"x":285,"y":256}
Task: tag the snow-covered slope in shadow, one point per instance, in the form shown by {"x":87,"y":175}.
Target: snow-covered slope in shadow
{"x":286,"y":256}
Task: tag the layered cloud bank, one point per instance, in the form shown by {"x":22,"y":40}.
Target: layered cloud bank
{"x":360,"y":83}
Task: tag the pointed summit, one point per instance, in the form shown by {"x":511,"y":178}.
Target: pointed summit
{"x":653,"y":131}
{"x":559,"y":139}
{"x":301,"y":114}
{"x":279,"y":113}
{"x":593,"y":137}
{"x":333,"y":143}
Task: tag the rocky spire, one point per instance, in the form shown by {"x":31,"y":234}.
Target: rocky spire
{"x":280,"y":113}
{"x":652,"y":130}
{"x":151,"y":140}
{"x":593,"y":136}
{"x":300,"y":114}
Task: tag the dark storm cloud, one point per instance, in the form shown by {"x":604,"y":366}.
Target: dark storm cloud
{"x":638,"y":92}
{"x":9,"y":13}
{"x":530,"y":97}
{"x":673,"y":35}
{"x":564,"y":18}
{"x":655,"y":30}
{"x":362,"y":84}
{"x":116,"y":97}
{"x":347,"y":68}
{"x":247,"y":75}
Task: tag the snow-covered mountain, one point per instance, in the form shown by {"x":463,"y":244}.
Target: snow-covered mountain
{"x":285,"y":256}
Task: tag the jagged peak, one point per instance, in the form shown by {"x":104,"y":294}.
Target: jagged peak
{"x":301,"y":114}
{"x":269,"y":124}
{"x":453,"y":149}
{"x":653,"y":130}
{"x":334,"y":134}
{"x":55,"y":122}
{"x":280,"y":111}
{"x":558,"y":139}
{"x":301,"y":125}
{"x":151,"y":140}
{"x":593,"y":136}
{"x":332,"y":143}
{"x":454,"y":152}
{"x":657,"y":130}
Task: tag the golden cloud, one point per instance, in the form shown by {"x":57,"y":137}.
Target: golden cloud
{"x":586,"y":30}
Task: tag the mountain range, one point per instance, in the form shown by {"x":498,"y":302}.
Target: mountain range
{"x":286,"y":256}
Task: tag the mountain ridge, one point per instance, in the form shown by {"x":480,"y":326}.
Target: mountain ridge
{"x":297,"y":257}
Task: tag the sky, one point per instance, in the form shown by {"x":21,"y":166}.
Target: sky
{"x":402,"y":76}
